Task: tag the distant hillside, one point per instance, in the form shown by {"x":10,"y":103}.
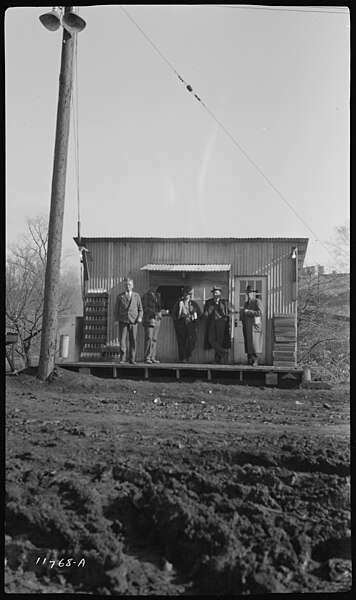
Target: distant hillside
{"x":328,"y":293}
{"x":335,"y":293}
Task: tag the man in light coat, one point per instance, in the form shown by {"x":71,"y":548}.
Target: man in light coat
{"x":128,"y":313}
{"x":252,"y":326}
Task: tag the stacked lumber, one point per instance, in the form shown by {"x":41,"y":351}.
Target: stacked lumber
{"x":285,"y":340}
{"x":95,"y":326}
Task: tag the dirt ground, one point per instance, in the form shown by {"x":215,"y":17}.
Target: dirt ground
{"x":119,"y":487}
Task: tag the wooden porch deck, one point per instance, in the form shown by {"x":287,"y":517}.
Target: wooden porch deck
{"x":266,"y":375}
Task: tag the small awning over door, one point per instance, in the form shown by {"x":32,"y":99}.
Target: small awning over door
{"x":186,"y":268}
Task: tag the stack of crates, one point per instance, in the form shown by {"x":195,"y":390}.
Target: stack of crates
{"x":95,"y":325}
{"x":285,"y":340}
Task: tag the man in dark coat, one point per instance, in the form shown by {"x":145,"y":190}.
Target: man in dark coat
{"x":128,"y":313}
{"x":186,"y":314}
{"x":252,"y":326}
{"x":218,"y":328}
{"x":152,"y":317}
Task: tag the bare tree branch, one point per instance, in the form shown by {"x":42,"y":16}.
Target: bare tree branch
{"x":25,"y":281}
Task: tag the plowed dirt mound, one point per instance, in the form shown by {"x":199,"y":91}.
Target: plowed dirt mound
{"x":138,"y":488}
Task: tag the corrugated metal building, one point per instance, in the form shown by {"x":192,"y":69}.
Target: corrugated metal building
{"x":270,"y":265}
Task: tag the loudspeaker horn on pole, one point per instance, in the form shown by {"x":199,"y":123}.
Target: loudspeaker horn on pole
{"x":51,"y":20}
{"x":73,"y":22}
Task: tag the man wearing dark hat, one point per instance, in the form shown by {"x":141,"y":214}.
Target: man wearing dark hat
{"x":252,"y":326}
{"x":186,"y":314}
{"x":217,"y":331}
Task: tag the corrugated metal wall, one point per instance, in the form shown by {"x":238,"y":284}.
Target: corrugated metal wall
{"x":113,"y":260}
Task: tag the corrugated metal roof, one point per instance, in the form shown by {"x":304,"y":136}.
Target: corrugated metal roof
{"x":194,"y":239}
{"x":183,"y":267}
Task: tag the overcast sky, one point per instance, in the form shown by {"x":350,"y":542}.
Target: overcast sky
{"x":263,"y":153}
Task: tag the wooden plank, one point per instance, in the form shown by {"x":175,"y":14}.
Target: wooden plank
{"x":96,"y":295}
{"x":288,"y":320}
{"x":288,"y":334}
{"x":174,"y":366}
{"x":284,"y":321}
{"x":289,"y":356}
{"x":285,"y":332}
{"x":284,"y":347}
{"x":280,"y":363}
{"x":284,"y":338}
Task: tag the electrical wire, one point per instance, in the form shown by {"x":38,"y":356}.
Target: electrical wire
{"x":275,"y":8}
{"x":75,"y":121}
{"x":149,"y":40}
{"x":76,"y":124}
{"x":231,"y":137}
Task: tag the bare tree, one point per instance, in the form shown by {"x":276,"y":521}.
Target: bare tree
{"x":324,"y":325}
{"x":340,"y":247}
{"x":25,"y":277}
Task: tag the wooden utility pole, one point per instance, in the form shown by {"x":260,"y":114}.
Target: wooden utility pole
{"x":55,"y":227}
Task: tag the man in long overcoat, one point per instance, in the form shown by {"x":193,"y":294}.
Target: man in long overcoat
{"x":186,"y":314}
{"x":218,"y":327}
{"x":252,"y":326}
{"x":128,"y":313}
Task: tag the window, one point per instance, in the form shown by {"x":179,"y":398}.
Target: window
{"x":169,"y":295}
{"x":255,"y":284}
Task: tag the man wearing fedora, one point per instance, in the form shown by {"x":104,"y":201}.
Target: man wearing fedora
{"x":252,"y":326}
{"x":218,"y":329}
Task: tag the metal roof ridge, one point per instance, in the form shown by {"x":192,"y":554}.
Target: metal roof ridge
{"x":217,"y":238}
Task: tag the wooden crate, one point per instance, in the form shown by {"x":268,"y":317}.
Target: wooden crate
{"x":95,"y":326}
{"x":285,"y":340}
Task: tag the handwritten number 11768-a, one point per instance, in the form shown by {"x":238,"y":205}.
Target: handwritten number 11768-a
{"x":63,"y":562}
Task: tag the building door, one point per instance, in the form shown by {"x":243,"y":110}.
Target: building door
{"x":241,"y":283}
